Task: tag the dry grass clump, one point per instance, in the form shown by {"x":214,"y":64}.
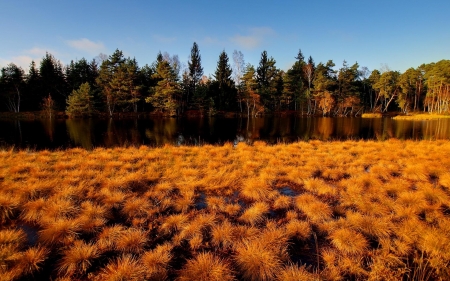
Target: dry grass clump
{"x":173,"y":223}
{"x":31,"y":260}
{"x":257,"y":262}
{"x":282,"y":202}
{"x":296,"y":273}
{"x":255,"y":190}
{"x":108,"y":237}
{"x":255,"y":214}
{"x":319,"y":186}
{"x":123,"y":268}
{"x":298,"y":229}
{"x":8,"y":204}
{"x":156,"y":262}
{"x":349,"y":241}
{"x":313,"y":208}
{"x":373,"y":227}
{"x":78,"y":258}
{"x":222,"y":235}
{"x":262,"y":256}
{"x":305,"y":211}
{"x":206,"y":267}
{"x":131,"y":240}
{"x":60,"y":231}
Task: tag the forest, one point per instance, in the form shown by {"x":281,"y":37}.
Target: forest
{"x":111,"y":84}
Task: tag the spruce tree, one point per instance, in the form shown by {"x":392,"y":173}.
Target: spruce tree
{"x":225,"y":92}
{"x":33,"y":91}
{"x":52,"y":79}
{"x":195,"y":71}
{"x":266,"y":74}
{"x":295,"y":80}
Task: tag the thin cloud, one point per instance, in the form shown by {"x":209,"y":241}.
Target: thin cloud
{"x":24,"y":58}
{"x":22,"y":61}
{"x":36,"y":51}
{"x":210,"y":41}
{"x":164,"y":40}
{"x":255,"y":37}
{"x":87,"y":46}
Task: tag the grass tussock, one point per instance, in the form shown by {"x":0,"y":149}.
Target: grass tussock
{"x":352,"y":210}
{"x":78,"y":258}
{"x":206,"y":267}
{"x":126,"y":267}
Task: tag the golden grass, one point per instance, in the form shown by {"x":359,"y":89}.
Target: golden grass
{"x":420,"y":117}
{"x":255,"y":214}
{"x":156,"y":262}
{"x":206,"y":267}
{"x":131,"y":240}
{"x":360,"y":210}
{"x":30,"y":261}
{"x":78,"y":258}
{"x":313,"y":208}
{"x":123,"y":268}
{"x":372,"y":115}
{"x":296,"y":273}
{"x":349,"y":241}
{"x":256,"y":262}
{"x":222,"y":235}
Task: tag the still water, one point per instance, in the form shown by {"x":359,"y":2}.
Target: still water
{"x":91,"y":133}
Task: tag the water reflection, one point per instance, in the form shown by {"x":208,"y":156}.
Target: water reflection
{"x":91,"y":133}
{"x":80,"y":132}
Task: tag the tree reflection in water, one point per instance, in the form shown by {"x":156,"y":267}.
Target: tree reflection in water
{"x":91,"y":133}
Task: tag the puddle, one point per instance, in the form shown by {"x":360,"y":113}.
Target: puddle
{"x":200,"y":201}
{"x":232,"y":198}
{"x":286,"y":190}
{"x":31,"y":232}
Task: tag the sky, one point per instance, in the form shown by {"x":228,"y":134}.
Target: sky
{"x":380,"y":34}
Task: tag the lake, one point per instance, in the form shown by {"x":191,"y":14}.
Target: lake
{"x":91,"y":133}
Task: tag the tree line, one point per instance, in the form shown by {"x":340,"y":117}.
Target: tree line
{"x":110,"y":84}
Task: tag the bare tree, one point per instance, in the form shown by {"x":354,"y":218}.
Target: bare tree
{"x":308,"y":70}
{"x":238,"y":70}
{"x":100,"y":58}
{"x":12,"y":77}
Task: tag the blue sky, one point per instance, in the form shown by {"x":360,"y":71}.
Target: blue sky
{"x":399,"y":34}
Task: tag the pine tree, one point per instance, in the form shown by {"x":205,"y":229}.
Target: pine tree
{"x":119,"y":80}
{"x":166,"y":91}
{"x":80,"y":102}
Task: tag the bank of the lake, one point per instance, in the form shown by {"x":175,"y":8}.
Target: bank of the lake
{"x":307,"y":210}
{"x":421,"y":116}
